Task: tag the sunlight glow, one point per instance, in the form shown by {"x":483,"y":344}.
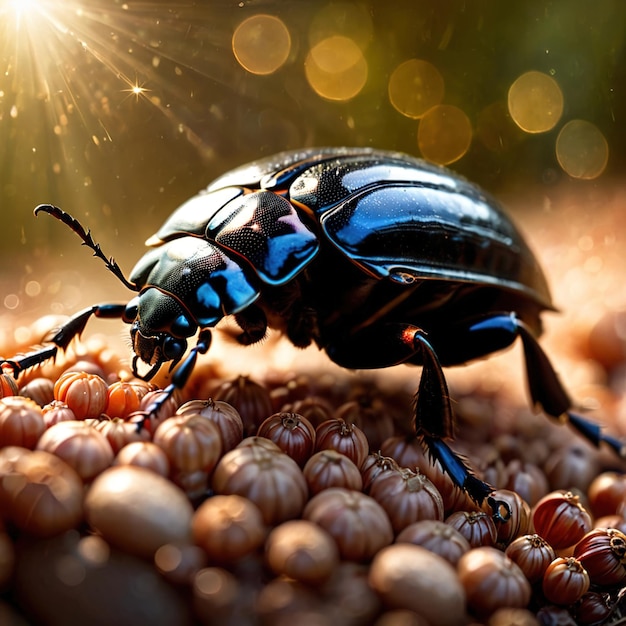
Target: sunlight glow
{"x":28,"y":16}
{"x":76,"y":73}
{"x":77,"y":56}
{"x":80,"y":78}
{"x":21,"y":8}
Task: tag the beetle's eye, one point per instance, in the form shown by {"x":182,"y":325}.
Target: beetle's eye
{"x":181,"y":327}
{"x":173,"y":348}
{"x":131,"y":311}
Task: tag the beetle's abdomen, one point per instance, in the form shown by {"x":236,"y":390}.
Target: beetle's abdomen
{"x":411,"y":233}
{"x":409,"y":220}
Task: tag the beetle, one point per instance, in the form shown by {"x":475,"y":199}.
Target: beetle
{"x":377,"y":257}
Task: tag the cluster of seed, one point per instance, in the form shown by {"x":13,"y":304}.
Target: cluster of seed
{"x":299,"y":497}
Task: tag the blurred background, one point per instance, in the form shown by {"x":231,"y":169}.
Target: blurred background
{"x":119,"y":111}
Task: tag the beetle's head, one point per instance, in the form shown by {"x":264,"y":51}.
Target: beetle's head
{"x":158,"y":332}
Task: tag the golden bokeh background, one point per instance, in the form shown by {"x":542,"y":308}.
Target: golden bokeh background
{"x":119,"y":111}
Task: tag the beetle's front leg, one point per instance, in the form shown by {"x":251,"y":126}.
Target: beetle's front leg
{"x":62,"y":337}
{"x":180,"y":377}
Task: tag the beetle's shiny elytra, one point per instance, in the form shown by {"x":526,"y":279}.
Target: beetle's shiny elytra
{"x":376,"y":257}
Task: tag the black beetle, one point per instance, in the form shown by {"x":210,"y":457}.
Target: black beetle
{"x":377,"y":257}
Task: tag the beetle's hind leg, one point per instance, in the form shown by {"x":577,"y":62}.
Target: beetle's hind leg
{"x":546,"y":390}
{"x":62,"y":337}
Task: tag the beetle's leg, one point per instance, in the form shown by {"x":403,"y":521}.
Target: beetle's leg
{"x":253,"y":324}
{"x":391,"y":344}
{"x":546,"y":390}
{"x":434,"y":421}
{"x":179,"y":379}
{"x":63,"y":336}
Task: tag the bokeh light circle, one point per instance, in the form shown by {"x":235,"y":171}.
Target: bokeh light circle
{"x":336,"y":68}
{"x":535,"y":102}
{"x":444,"y":134}
{"x":415,"y":86}
{"x":261,"y":44}
{"x":582,"y":150}
{"x":335,"y":54}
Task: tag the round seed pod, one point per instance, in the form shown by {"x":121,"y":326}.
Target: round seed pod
{"x":21,"y":422}
{"x":602,"y":552}
{"x":137,"y":510}
{"x":86,"y":394}
{"x":292,"y":433}
{"x":80,"y":445}
{"x":407,"y":497}
{"x":437,"y":537}
{"x":346,"y":438}
{"x":228,"y":528}
{"x":561,"y":519}
{"x":565,"y":581}
{"x":303,"y":551}
{"x":330,"y":468}
{"x":267,"y":477}
{"x":357,"y":523}
{"x":492,"y":581}
{"x":410,"y":577}
{"x":532,"y":554}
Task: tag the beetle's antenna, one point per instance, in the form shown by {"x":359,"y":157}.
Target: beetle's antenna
{"x":88,"y":241}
